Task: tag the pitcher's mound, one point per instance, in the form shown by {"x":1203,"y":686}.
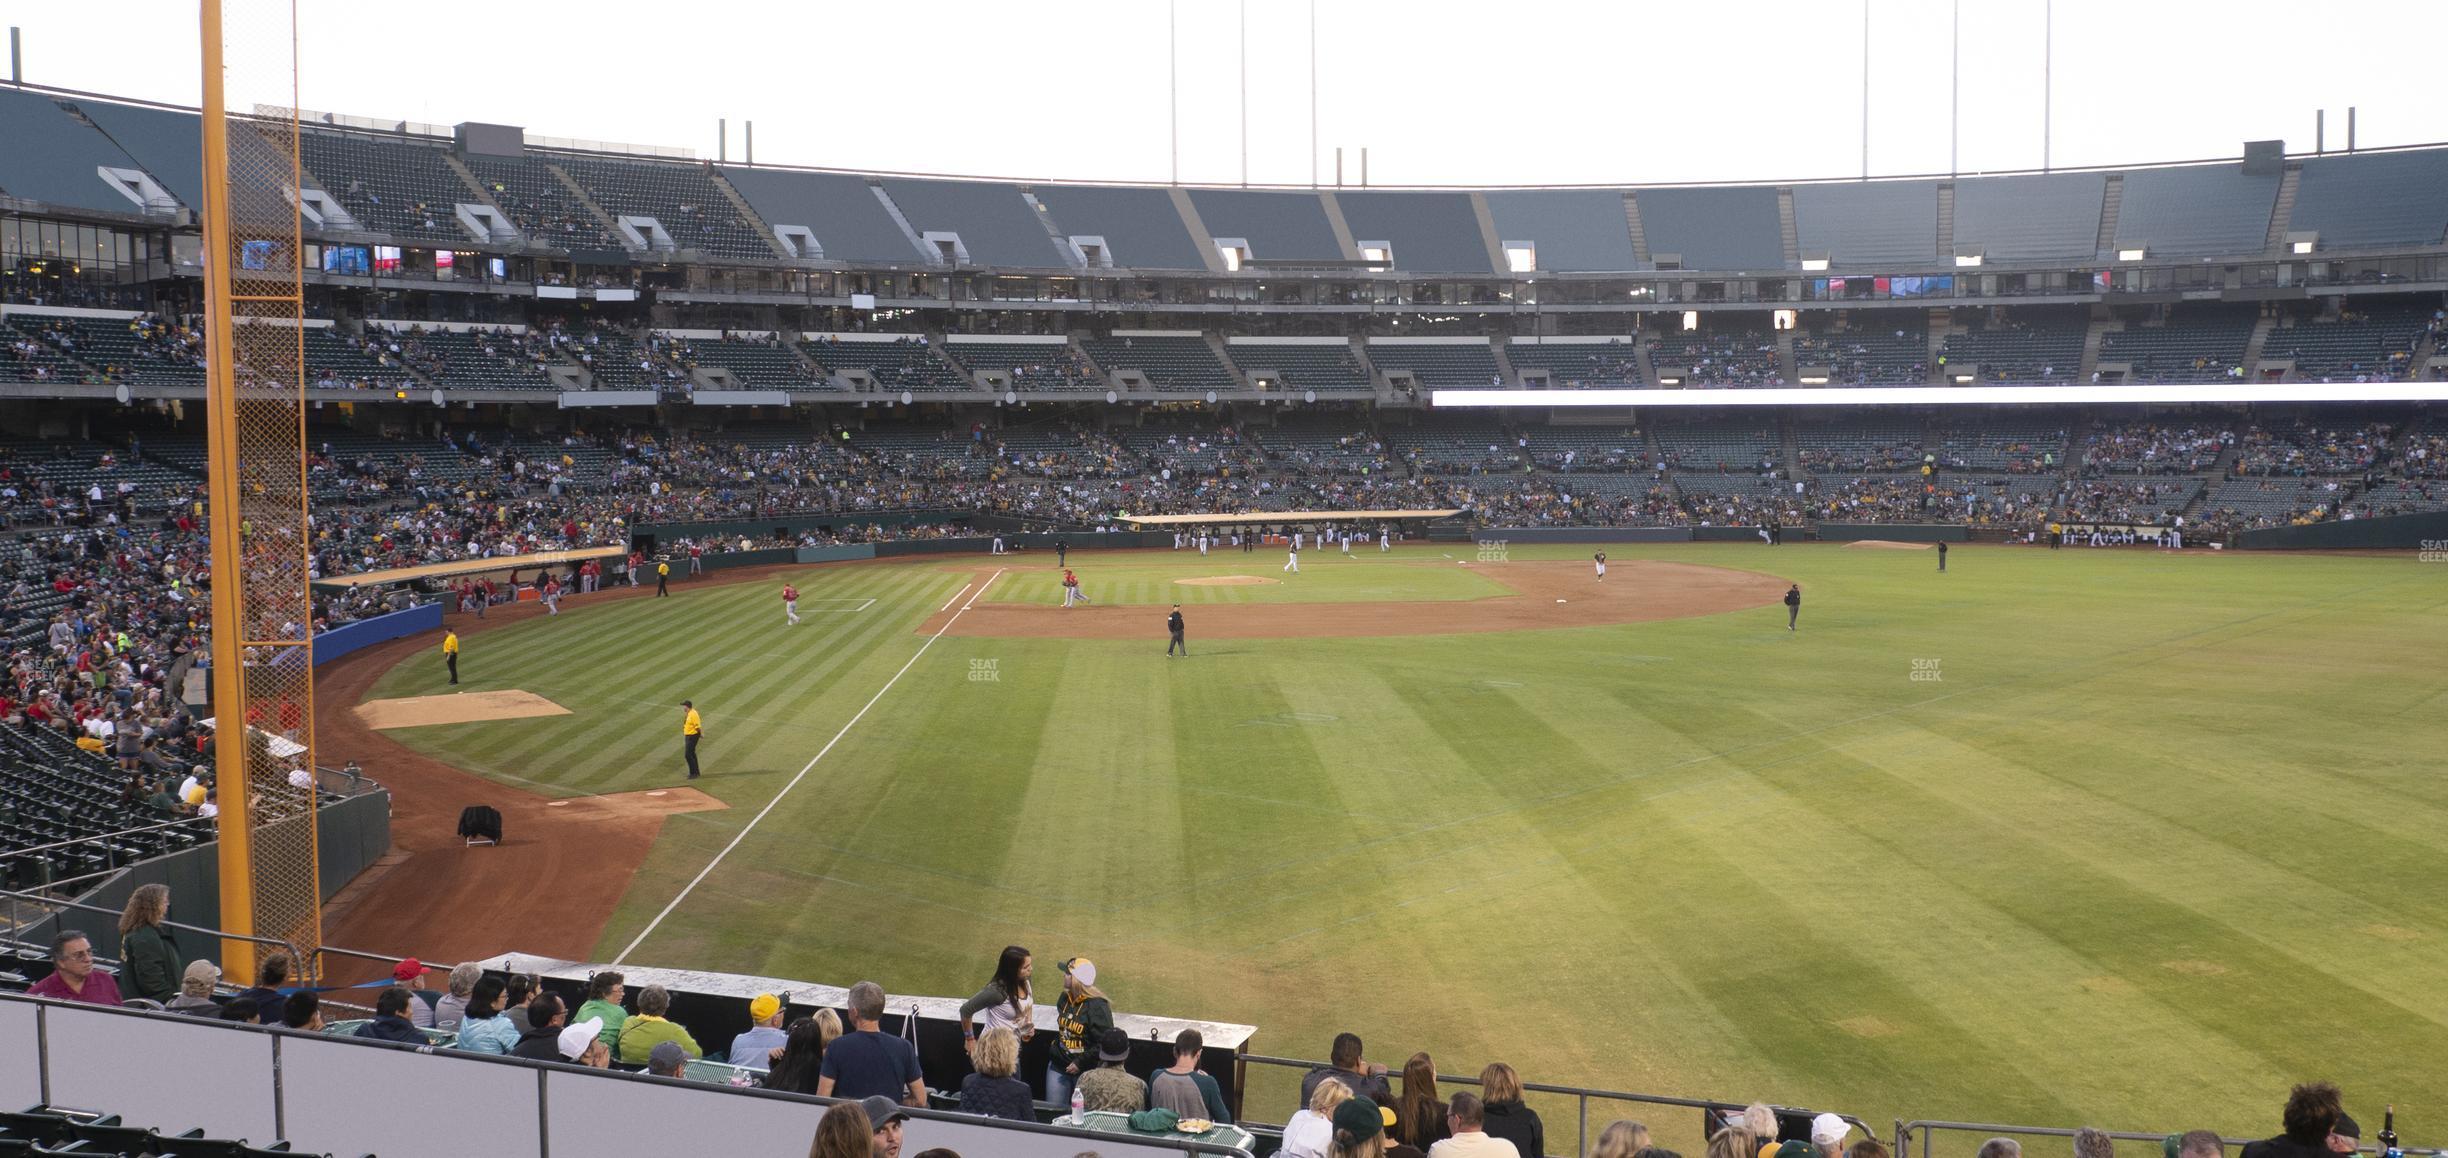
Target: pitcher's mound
{"x":1227,"y":581}
{"x":1887,"y":545}
{"x":463,"y":708}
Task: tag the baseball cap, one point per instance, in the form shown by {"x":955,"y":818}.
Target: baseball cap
{"x":1082,"y":968}
{"x":882,"y":1110}
{"x":666,"y":1058}
{"x":1829,"y":1128}
{"x":765,"y":1005}
{"x":575,"y":1038}
{"x":1360,"y":1118}
{"x":408,"y":970}
{"x":1115,"y":1046}
{"x":2347,"y":1128}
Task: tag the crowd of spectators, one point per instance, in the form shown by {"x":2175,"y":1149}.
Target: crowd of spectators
{"x":1719,"y":357}
{"x":2152,"y":448}
{"x":2302,"y":448}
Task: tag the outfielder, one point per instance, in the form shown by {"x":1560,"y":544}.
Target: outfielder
{"x":790,"y":605}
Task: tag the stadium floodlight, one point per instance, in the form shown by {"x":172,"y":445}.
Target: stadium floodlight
{"x":1815,"y":263}
{"x":2302,"y":242}
{"x":2132,"y":251}
{"x":1967,"y":260}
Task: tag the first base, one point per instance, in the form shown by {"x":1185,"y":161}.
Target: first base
{"x":1559,"y":601}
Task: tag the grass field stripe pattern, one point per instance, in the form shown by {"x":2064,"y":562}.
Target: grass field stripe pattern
{"x":810,"y":766}
{"x":2158,"y":836}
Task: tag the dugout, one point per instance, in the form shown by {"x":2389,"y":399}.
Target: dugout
{"x":713,"y":1007}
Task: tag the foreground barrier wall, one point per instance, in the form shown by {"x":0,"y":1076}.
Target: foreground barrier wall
{"x":2426,"y":532}
{"x":365,"y":633}
{"x":347,"y":1096}
{"x":1895,"y":532}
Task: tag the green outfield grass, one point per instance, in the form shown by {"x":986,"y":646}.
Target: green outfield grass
{"x":2160,"y":837}
{"x":1329,"y":576}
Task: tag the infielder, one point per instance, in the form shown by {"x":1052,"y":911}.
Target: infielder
{"x":790,"y":605}
{"x":1600,"y":557}
{"x":1293,"y":564}
{"x":1071,"y":589}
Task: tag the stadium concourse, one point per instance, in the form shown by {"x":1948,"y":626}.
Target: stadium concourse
{"x":651,"y":370}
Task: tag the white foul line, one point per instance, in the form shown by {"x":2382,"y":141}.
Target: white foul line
{"x":794,"y":781}
{"x":955,"y":599}
{"x":981,"y":591}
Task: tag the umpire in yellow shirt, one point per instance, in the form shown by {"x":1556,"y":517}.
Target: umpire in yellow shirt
{"x":691,"y":729}
{"x":450,"y":654}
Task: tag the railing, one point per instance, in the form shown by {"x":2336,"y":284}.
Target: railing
{"x":1581,"y":1097}
{"x":1904,"y":1132}
{"x":307,"y":957}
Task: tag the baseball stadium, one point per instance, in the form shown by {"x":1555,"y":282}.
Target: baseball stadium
{"x":740,"y":655}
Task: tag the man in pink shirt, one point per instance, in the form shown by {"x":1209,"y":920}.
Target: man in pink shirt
{"x":73,"y":976}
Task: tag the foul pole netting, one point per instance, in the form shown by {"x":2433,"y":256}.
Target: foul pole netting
{"x":262,"y":618}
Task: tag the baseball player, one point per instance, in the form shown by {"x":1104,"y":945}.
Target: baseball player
{"x":1942,"y":554}
{"x":1296,"y":540}
{"x":1600,"y":558}
{"x":1202,"y":537}
{"x":1071,"y":589}
{"x":552,"y":596}
{"x":1384,"y":540}
{"x":790,"y":605}
{"x":1344,"y":535}
{"x":1173,"y":624}
{"x":1293,"y":564}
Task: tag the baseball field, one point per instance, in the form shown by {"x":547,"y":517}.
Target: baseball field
{"x":2077,"y":837}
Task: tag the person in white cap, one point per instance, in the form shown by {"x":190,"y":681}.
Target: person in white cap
{"x":583,"y":1044}
{"x":1828,"y":1135}
{"x":1081,"y":1018}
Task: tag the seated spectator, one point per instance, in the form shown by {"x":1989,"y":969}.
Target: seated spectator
{"x":2309,"y":1117}
{"x":483,"y":1028}
{"x":2090,"y":1142}
{"x":518,"y":990}
{"x":2201,"y":1144}
{"x":261,"y":1002}
{"x":196,"y":990}
{"x":1110,"y":1087}
{"x":1873,"y":1148}
{"x":73,"y":976}
{"x":1308,"y":1133}
{"x":640,"y":1034}
{"x":886,"y":1116}
{"x":1359,"y":1130}
{"x":390,"y":1021}
{"x":541,"y":1039}
{"x":453,"y":1004}
{"x":1363,"y":1078}
{"x":1186,"y":1089}
{"x":2000,"y":1148}
{"x":1504,"y":1116}
{"x":867,"y":1063}
{"x":756,"y":1048}
{"x":410,"y":974}
{"x":799,"y":1065}
{"x":1467,"y":1134}
{"x":582,"y":1044}
{"x":1419,"y":1118}
{"x":303,"y":1012}
{"x":843,"y":1132}
{"x":1622,"y":1138}
{"x":666,"y":1060}
{"x":148,"y":951}
{"x":992,"y":1091}
{"x":603,"y":1004}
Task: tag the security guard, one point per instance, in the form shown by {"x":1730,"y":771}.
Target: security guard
{"x":450,"y":654}
{"x":691,"y":730}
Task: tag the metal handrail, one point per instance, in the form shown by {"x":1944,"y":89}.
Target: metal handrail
{"x":1581,"y":1096}
{"x":1905,"y":1130}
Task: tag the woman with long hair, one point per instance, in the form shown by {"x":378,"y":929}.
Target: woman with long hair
{"x":148,"y":952}
{"x":1419,"y":1118}
{"x":1733,"y":1142}
{"x":1622,"y":1138}
{"x":1005,"y":1000}
{"x":843,"y":1132}
{"x":1080,"y":1019}
{"x":1507,"y":1117}
{"x":802,"y":1057}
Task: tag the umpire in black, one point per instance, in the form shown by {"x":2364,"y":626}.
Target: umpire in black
{"x":1173,"y":623}
{"x":1793,"y":606}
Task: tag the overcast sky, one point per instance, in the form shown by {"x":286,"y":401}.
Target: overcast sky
{"x":1440,"y":91}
